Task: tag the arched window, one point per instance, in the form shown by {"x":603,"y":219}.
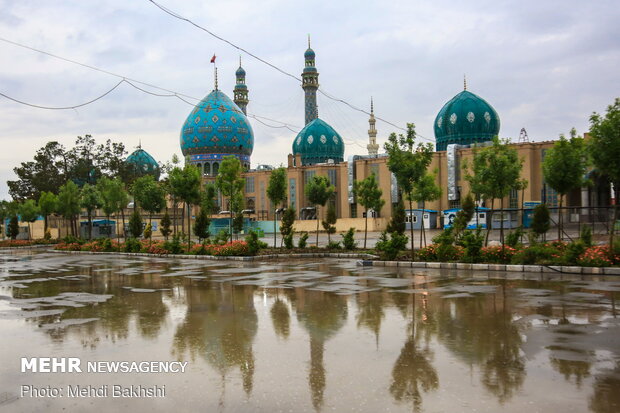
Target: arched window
{"x":216,"y":168}
{"x":207,"y":170}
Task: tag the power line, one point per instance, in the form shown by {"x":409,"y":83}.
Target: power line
{"x":178,"y":16}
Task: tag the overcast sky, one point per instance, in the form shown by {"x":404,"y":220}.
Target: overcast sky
{"x":543,"y":65}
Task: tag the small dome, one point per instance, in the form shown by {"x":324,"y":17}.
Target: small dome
{"x":318,"y":142}
{"x":464,"y":120}
{"x":143,"y":164}
{"x":240,"y":72}
{"x":215,"y":128}
{"x":309,"y":54}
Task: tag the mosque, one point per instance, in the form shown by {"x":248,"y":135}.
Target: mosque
{"x":218,"y":127}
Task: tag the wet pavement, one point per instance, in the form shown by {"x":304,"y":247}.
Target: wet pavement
{"x":297,"y":336}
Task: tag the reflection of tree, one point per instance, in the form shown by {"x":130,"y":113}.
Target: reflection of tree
{"x":370,"y":313}
{"x":413,"y":372}
{"x":281,"y":318}
{"x":606,"y":397}
{"x":220,"y":325}
{"x":151,"y":314}
{"x":580,"y":369}
{"x":322,"y":315}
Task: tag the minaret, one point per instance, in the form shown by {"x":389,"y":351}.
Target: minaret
{"x":240,"y":92}
{"x":310,"y":84}
{"x":373,"y":148}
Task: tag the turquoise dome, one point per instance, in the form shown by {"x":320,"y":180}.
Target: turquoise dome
{"x":217,"y":128}
{"x":466,"y":119}
{"x":141,"y":163}
{"x":309,"y":54}
{"x":240,"y":72}
{"x":318,"y":143}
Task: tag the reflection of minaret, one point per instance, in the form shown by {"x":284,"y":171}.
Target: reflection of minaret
{"x":310,"y":84}
{"x":240,"y":92}
{"x":373,"y":148}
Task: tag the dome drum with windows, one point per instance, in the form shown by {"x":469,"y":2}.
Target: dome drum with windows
{"x":466,"y":119}
{"x":216,"y":128}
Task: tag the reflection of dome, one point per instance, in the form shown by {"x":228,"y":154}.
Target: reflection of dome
{"x":143,"y":164}
{"x":318,"y":143}
{"x":465,"y":119}
{"x":216,"y":128}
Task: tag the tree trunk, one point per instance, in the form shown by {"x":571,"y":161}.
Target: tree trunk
{"x":274,"y":227}
{"x":123,"y":217}
{"x":317,"y":225}
{"x":365,"y":229}
{"x":411,"y":227}
{"x":560,"y":223}
{"x":501,"y":223}
{"x":189,"y":226}
{"x":615,"y":219}
{"x":490,"y":222}
{"x":90,"y":225}
{"x":174,"y":215}
{"x":422,"y":229}
{"x":44,"y":225}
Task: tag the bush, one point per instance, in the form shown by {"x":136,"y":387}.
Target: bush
{"x":132,"y":245}
{"x":348,"y":240}
{"x":573,"y":252}
{"x":389,"y":249}
{"x":303,"y":240}
{"x":497,"y":254}
{"x":288,"y":241}
{"x":48,"y":235}
{"x":449,"y":252}
{"x":148,"y":231}
{"x":428,"y":253}
{"x":514,"y":237}
{"x":254,"y":244}
{"x":333,"y":245}
{"x":540,"y":220}
{"x":221,"y":237}
{"x":472,"y":242}
{"x":586,"y":235}
{"x":174,"y":246}
{"x":70,"y":239}
{"x":135,"y":224}
{"x":543,"y":254}
{"x":235,"y":248}
{"x":598,"y":256}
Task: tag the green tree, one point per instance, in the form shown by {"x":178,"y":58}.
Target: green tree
{"x":330,"y":220}
{"x":114,"y":198}
{"x":397,"y":222}
{"x":540,"y":220}
{"x":368,"y":195}
{"x":286,"y":227}
{"x":164,"y":225}
{"x":4,"y":214}
{"x":230,"y":183}
{"x":29,"y":212}
{"x":149,"y":195}
{"x":318,"y":191}
{"x":236,"y":207}
{"x":201,"y":225}
{"x":185,"y":184}
{"x":564,"y":168}
{"x":408,"y":162}
{"x":604,"y":150}
{"x":425,"y":190}
{"x":48,"y":203}
{"x":69,"y":204}
{"x":13,"y":229}
{"x":494,"y":172}
{"x":276,"y":192}
{"x":135,"y":224}
{"x":90,"y":200}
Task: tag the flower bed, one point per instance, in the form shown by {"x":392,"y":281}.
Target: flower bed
{"x":12,"y":243}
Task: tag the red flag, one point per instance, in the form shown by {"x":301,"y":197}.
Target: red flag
{"x":213,"y":59}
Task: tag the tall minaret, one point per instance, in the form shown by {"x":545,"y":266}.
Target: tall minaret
{"x":310,"y":84}
{"x":373,"y":148}
{"x":240,"y":92}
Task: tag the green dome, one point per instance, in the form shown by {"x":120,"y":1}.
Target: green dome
{"x":464,"y":120}
{"x":141,"y":163}
{"x":318,"y":143}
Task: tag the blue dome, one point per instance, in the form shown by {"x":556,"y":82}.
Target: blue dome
{"x":464,"y":120}
{"x":240,"y":72}
{"x":142,"y":164}
{"x":309,"y":54}
{"x":318,"y":143}
{"x":216,"y":128}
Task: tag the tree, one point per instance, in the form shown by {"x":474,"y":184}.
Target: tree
{"x":48,"y":203}
{"x":164,"y":225}
{"x":185,"y":184}
{"x":564,"y":168}
{"x":495,"y":171}
{"x":397,"y":222}
{"x":330,"y":220}
{"x":201,"y":225}
{"x":230,"y":183}
{"x":113,"y":197}
{"x":368,"y":195}
{"x":236,"y":208}
{"x":29,"y":212}
{"x":4,"y":214}
{"x":408,"y":163}
{"x":425,"y":190}
{"x":69,"y":203}
{"x":276,"y":192}
{"x":90,"y":199}
{"x":604,"y":150}
{"x":540,"y":220}
{"x":318,"y":191}
{"x":135,"y":224}
{"x":288,"y":220}
{"x":149,"y":195}
{"x":13,"y":229}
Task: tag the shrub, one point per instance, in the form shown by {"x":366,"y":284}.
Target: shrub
{"x":303,"y":240}
{"x":235,"y":248}
{"x":598,"y":256}
{"x":543,"y":254}
{"x":70,"y":246}
{"x":254,"y":244}
{"x":472,"y":242}
{"x":200,"y":249}
{"x":449,"y":252}
{"x":586,"y":235}
{"x":573,"y":252}
{"x":428,"y":253}
{"x":174,"y":246}
{"x":348,"y":240}
{"x":48,"y":235}
{"x":132,"y":245}
{"x":135,"y":224}
{"x":389,"y":249}
{"x":497,"y":254}
{"x":540,"y":220}
{"x":514,"y":237}
{"x":70,"y":239}
{"x":288,"y":241}
{"x":221,"y":237}
{"x":333,"y":245}
{"x":148,"y":231}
